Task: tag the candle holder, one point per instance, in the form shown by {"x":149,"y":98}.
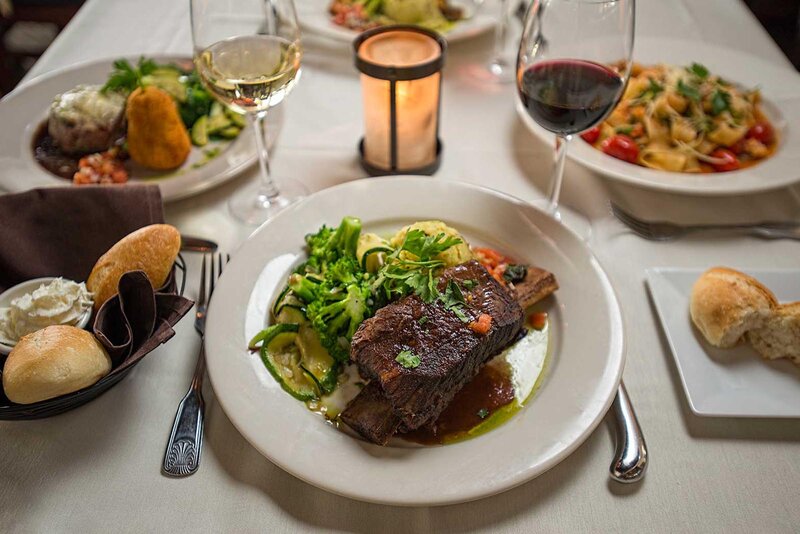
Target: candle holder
{"x":401,"y":83}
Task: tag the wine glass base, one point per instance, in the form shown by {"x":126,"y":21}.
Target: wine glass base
{"x":251,"y":207}
{"x":577,"y":223}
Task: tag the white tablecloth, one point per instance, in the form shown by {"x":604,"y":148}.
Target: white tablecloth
{"x":97,"y":468}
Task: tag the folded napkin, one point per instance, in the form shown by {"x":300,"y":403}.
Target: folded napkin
{"x":63,"y":231}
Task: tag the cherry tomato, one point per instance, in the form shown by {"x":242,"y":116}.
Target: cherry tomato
{"x":622,"y":147}
{"x":591,"y":135}
{"x":730,"y":163}
{"x":738,"y":147}
{"x":761,"y":131}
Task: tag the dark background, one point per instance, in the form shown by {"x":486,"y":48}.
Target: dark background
{"x":27,"y":27}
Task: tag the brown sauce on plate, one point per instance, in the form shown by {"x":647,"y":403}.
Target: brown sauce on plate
{"x":489,"y":391}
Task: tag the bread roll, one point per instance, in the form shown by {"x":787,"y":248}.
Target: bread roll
{"x":779,"y":335}
{"x":151,"y":249}
{"x":726,"y":303}
{"x":53,"y":361}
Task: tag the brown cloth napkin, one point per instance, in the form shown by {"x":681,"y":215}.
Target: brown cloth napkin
{"x":63,"y":231}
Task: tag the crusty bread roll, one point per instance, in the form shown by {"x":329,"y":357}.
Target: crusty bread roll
{"x":726,"y":303}
{"x":779,"y":335}
{"x":151,"y":249}
{"x":53,"y":361}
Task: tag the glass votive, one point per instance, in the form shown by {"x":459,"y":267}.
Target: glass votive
{"x":401,"y":84}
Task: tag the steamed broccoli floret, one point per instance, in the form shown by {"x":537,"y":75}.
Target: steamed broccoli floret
{"x":345,"y":240}
{"x":336,"y":314}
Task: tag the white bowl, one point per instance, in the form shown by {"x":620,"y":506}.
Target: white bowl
{"x":28,"y":287}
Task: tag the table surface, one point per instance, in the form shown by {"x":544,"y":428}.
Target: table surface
{"x":97,"y":468}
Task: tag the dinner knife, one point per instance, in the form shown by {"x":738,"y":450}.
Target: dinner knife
{"x":197,"y":244}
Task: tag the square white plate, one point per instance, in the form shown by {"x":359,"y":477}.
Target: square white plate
{"x":733,"y":382}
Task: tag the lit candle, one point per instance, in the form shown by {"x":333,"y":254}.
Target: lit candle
{"x":401,"y":81}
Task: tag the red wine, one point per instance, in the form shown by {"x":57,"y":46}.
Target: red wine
{"x":569,"y":96}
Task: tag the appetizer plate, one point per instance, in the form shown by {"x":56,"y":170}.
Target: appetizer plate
{"x":580,"y":382}
{"x":24,"y":109}
{"x":735,"y":382}
{"x":780,"y":87}
{"x":313,"y":16}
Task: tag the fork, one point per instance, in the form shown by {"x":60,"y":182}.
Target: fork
{"x":666,"y":231}
{"x":182,"y":457}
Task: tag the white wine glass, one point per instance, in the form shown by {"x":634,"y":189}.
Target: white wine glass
{"x":248,"y":53}
{"x":573,"y":65}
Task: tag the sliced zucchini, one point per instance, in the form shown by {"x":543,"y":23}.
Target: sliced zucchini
{"x":315,"y":358}
{"x":236,"y":118}
{"x":229,"y":132}
{"x":217,"y":123}
{"x":216,"y":110}
{"x":373,"y":258}
{"x":278,"y":301}
{"x":200,"y":131}
{"x":283,"y":360}
{"x":169,"y":80}
{"x":291,"y":313}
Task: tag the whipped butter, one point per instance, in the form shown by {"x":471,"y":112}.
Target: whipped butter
{"x":61,"y":302}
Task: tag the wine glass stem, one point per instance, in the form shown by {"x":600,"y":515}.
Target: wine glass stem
{"x":500,"y":33}
{"x":562,"y":142}
{"x":267,"y":191}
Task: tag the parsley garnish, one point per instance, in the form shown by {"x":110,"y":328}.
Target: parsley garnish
{"x":422,"y":320}
{"x":469,"y":284}
{"x":482,"y":413}
{"x":407,"y":359}
{"x":627,"y":129}
{"x":125,"y":77}
{"x":516,"y":273}
{"x":698,"y":70}
{"x":413,"y":272}
{"x":720,"y":101}
{"x":652,"y":90}
{"x":689,"y":91}
{"x":453,"y":300}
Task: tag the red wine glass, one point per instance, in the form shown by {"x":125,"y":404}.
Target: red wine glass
{"x":573,"y":64}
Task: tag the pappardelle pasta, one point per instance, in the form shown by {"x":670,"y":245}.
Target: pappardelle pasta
{"x":685,"y":119}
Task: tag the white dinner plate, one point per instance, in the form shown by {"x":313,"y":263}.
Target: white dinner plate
{"x":23,"y":110}
{"x":733,"y":382}
{"x":579,"y":384}
{"x":780,"y":87}
{"x":313,"y":16}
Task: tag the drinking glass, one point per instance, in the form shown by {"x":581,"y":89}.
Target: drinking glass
{"x":247,"y":54}
{"x":499,"y":67}
{"x":573,"y":65}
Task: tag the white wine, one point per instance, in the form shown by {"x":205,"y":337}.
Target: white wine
{"x":251,"y":73}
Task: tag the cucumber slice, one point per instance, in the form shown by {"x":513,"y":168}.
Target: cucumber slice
{"x":236,"y":118}
{"x":283,"y":360}
{"x":200,"y":131}
{"x":315,"y":358}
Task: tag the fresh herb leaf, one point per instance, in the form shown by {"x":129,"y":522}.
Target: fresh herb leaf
{"x":720,"y":101}
{"x":407,"y":359}
{"x":626,"y":129}
{"x":453,"y":295}
{"x":458,"y":311}
{"x":515,"y":273}
{"x":124,"y":77}
{"x":483,"y":413}
{"x":689,"y":91}
{"x":698,"y":70}
{"x":426,"y":247}
{"x":469,"y":284}
{"x":653,"y":89}
{"x":422,"y":320}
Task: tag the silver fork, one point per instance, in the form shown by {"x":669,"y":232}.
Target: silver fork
{"x":182,"y":457}
{"x":665,"y":231}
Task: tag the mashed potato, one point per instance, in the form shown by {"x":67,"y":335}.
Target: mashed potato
{"x":455,"y":255}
